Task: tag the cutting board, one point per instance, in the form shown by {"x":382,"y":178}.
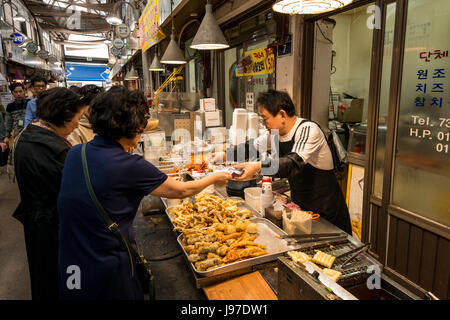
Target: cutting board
{"x":251,"y":286}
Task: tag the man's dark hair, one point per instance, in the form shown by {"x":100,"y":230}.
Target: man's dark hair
{"x":58,"y":105}
{"x":75,"y":89}
{"x":119,"y":113}
{"x":89,"y":92}
{"x":275,"y":101}
{"x":37,"y":78}
{"x":14,"y":85}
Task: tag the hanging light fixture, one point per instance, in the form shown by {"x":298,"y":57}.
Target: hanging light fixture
{"x":19,"y":17}
{"x":156,"y":65}
{"x":114,"y":19}
{"x":173,"y":54}
{"x":308,"y":6}
{"x":132,"y":74}
{"x":18,"y":77}
{"x":209,"y":36}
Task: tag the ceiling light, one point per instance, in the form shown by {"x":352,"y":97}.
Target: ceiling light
{"x":209,"y":36}
{"x":114,"y":19}
{"x":18,"y":17}
{"x":173,"y":54}
{"x":131,"y":75}
{"x":156,"y":65}
{"x":308,"y":6}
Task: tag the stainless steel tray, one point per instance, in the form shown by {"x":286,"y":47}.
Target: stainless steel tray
{"x":268,"y":234}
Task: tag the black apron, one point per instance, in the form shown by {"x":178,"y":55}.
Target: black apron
{"x":318,"y":191}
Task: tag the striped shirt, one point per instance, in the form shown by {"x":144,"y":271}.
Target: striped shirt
{"x":310,"y":144}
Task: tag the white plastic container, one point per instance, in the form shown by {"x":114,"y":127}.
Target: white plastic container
{"x":253,"y":197}
{"x":252,"y":125}
{"x":240,"y":119}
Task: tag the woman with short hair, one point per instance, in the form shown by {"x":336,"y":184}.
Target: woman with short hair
{"x":84,"y":133}
{"x":39,"y":157}
{"x":119,"y":180}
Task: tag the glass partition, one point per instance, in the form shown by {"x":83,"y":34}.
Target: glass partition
{"x":422,"y":162}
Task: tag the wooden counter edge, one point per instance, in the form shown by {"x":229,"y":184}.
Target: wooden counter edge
{"x":251,"y":286}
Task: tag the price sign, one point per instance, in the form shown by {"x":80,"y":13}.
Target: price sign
{"x":250,"y":101}
{"x":118,"y":43}
{"x":32,"y":47}
{"x":123,"y":31}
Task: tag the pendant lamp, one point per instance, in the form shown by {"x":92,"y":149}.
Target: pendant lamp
{"x":156,"y":65}
{"x":308,"y":6}
{"x":132,"y":74}
{"x":209,"y":36}
{"x":173,"y":54}
{"x":114,"y":19}
{"x":18,"y":77}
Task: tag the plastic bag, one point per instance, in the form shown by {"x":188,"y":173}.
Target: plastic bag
{"x":297,"y":222}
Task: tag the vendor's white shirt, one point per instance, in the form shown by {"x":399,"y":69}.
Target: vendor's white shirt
{"x":310,"y":144}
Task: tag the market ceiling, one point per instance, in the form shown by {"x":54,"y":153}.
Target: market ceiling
{"x":83,"y":17}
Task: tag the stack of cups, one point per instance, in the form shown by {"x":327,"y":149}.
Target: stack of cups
{"x":266,"y":195}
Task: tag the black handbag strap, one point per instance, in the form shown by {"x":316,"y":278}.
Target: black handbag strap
{"x":112,"y":226}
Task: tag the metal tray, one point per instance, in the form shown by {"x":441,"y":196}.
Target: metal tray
{"x":268,"y":234}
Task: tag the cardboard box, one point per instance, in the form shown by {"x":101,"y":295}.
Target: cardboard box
{"x":208,"y":104}
{"x":350,"y":110}
{"x":217,"y":135}
{"x":212,"y":119}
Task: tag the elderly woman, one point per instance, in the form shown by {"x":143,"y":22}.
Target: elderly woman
{"x":39,"y":157}
{"x":88,"y":249}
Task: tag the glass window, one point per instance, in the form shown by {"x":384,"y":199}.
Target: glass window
{"x":384,"y":100}
{"x":344,"y":42}
{"x":351,"y":56}
{"x":422,"y":162}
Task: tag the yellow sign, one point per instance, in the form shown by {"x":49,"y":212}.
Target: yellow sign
{"x":259,"y":61}
{"x":149,"y":31}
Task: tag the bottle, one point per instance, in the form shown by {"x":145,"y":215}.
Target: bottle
{"x":266,"y":195}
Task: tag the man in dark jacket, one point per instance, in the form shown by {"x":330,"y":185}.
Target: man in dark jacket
{"x":15,"y":111}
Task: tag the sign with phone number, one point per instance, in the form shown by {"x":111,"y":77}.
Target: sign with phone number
{"x":263,"y":61}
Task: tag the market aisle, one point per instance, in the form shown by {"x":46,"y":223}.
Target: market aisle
{"x":14,"y":276}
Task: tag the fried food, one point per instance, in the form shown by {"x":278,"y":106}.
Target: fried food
{"x":198,"y":167}
{"x":333,"y":274}
{"x":210,"y":210}
{"x":298,"y":256}
{"x":211,"y":248}
{"x":323,"y":259}
{"x":252,"y":228}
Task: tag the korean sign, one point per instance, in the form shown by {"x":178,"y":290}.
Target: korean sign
{"x":149,"y":31}
{"x":255,"y":62}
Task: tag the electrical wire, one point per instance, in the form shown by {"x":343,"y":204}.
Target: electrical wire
{"x":325,"y":37}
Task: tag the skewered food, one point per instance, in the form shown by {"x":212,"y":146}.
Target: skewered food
{"x":323,"y":259}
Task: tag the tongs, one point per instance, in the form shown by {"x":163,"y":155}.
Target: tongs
{"x":304,"y":238}
{"x":357,"y":251}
